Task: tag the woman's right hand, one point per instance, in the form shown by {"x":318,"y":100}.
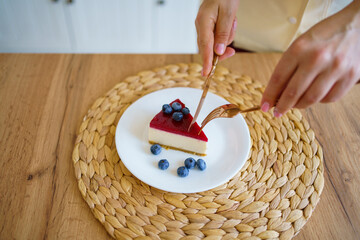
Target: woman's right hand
{"x":215,"y":26}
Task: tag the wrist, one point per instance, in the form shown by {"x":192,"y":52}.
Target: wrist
{"x":353,"y":12}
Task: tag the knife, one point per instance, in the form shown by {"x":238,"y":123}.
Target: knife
{"x":205,"y":90}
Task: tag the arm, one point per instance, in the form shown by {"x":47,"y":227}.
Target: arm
{"x":322,"y":65}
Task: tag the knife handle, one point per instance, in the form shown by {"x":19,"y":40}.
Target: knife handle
{"x":205,"y":89}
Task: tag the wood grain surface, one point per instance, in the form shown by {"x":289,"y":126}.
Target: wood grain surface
{"x":43,"y":98}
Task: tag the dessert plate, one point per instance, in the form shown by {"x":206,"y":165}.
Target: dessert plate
{"x":228,"y":146}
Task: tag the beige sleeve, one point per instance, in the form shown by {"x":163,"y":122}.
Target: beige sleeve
{"x":272,"y":25}
{"x":268,"y":25}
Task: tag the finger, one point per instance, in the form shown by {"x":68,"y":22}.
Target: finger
{"x":229,"y":52}
{"x":323,"y":83}
{"x":223,"y":28}
{"x":278,"y":81}
{"x":232,"y":32}
{"x":299,"y":82}
{"x":205,"y":27}
{"x":340,"y":88}
{"x":207,"y":56}
{"x":206,"y":67}
{"x":317,"y":90}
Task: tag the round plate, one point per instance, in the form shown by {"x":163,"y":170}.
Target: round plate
{"x":228,"y":145}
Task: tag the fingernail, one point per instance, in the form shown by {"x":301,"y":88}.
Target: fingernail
{"x":220,"y":48}
{"x":265,"y":107}
{"x":276,"y":113}
{"x":234,"y":25}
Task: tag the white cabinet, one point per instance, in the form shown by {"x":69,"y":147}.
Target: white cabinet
{"x":174,"y":26}
{"x":94,"y":26}
{"x":111,"y":25}
{"x":33,"y":26}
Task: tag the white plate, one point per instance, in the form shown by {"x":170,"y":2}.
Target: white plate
{"x":228,"y":145}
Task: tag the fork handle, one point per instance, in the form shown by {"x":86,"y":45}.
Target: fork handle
{"x":251,"y":109}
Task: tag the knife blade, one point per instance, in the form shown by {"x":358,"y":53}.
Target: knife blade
{"x":205,"y":90}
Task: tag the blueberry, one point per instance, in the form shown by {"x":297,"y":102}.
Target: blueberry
{"x":155,"y":149}
{"x":185,"y":111}
{"x":177,"y":116}
{"x":182,"y":171}
{"x":201,"y":164}
{"x":166,"y":108}
{"x":163,"y":164}
{"x":176,"y":106}
{"x":190,"y":163}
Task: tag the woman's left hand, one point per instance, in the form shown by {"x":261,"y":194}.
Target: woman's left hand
{"x":322,"y":65}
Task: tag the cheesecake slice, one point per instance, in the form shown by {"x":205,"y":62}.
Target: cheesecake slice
{"x":167,"y":132}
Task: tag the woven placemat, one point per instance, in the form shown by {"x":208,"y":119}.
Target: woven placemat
{"x":272,"y":196}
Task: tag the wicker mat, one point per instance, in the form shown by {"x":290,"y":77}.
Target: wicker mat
{"x":272,"y":196}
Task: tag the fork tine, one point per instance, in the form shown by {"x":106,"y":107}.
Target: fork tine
{"x":206,"y":121}
{"x":226,"y":111}
{"x":213,"y":114}
{"x":202,"y":126}
{"x":210,"y":117}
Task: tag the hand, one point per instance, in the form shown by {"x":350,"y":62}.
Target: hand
{"x":320,"y":66}
{"x":215,"y":26}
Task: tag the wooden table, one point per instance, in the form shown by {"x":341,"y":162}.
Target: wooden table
{"x":43,"y":99}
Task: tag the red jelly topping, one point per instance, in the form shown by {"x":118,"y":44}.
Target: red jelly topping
{"x":164,"y":122}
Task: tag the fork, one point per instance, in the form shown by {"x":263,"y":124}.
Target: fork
{"x":225,"y":111}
